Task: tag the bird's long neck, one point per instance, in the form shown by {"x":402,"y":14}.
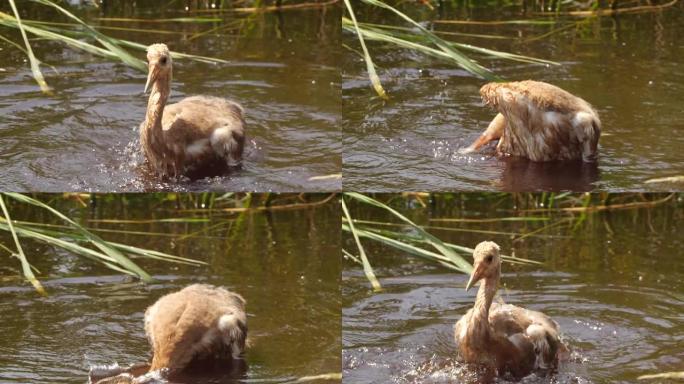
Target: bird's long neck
{"x":479,"y":323}
{"x":155,"y":106}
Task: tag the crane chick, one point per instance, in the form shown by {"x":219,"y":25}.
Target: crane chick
{"x":539,"y":121}
{"x":200,"y":135}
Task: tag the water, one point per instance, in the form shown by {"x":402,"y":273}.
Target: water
{"x":627,"y":67}
{"x":284,"y":263}
{"x":282,"y":70}
{"x":614,"y":285}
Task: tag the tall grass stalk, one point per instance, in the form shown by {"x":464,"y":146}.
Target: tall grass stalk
{"x":420,"y":39}
{"x":25,"y":266}
{"x":116,"y":256}
{"x":414,"y":240}
{"x":74,"y":35}
{"x":109,"y":43}
{"x":78,"y":240}
{"x":425,"y":235}
{"x":462,"y":60}
{"x":370,"y":67}
{"x":367,"y":269}
{"x":35,"y":64}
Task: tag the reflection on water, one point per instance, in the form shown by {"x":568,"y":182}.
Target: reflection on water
{"x":626,"y":67}
{"x":522,"y":175}
{"x":284,"y":263}
{"x":282,"y":70}
{"x":613,"y":283}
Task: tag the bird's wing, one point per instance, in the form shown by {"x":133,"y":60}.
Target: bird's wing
{"x":539,"y":329}
{"x":197,"y":117}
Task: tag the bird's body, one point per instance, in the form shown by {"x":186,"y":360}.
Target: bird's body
{"x":539,"y":121}
{"x":504,"y":338}
{"x":198,"y":323}
{"x":198,"y":135}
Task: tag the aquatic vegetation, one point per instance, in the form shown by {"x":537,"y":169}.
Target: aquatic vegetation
{"x":423,"y":37}
{"x":423,"y":40}
{"x":410,"y":238}
{"x":71,"y":239}
{"x":542,"y":211}
{"x":73,"y":35}
{"x":86,"y":242}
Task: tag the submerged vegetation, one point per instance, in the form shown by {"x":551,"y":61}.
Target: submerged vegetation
{"x":424,"y":36}
{"x":84,"y":240}
{"x":537,"y":213}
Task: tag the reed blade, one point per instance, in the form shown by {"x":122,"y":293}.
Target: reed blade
{"x":463,"y":61}
{"x":106,"y":41}
{"x":370,"y":67}
{"x":25,"y":265}
{"x":35,"y":64}
{"x":429,"y":238}
{"x":367,"y":269}
{"x":98,"y":242}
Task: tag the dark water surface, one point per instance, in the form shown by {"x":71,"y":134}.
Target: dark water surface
{"x":615,"y":285}
{"x":629,"y":68}
{"x":283,"y":70}
{"x":285,"y":264}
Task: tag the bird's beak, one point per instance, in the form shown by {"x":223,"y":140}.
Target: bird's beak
{"x":475,"y":276}
{"x":151,"y":77}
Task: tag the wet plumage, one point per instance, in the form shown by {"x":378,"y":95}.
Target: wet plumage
{"x":503,"y":338}
{"x":198,"y":135}
{"x":200,"y":322}
{"x":539,"y":121}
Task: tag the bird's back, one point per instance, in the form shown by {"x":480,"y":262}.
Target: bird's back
{"x":544,"y":96}
{"x":544,"y":122}
{"x":203,"y":130}
{"x":199,"y":116}
{"x":523,"y":326}
{"x":198,"y":321}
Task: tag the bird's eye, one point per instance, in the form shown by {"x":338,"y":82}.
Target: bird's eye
{"x":163,"y":60}
{"x":489,"y":258}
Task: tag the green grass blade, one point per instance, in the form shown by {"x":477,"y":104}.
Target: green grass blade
{"x":372,"y":74}
{"x":374,"y":34}
{"x":119,"y":257}
{"x":70,"y":37}
{"x":410,"y":238}
{"x":69,"y":246}
{"x":403,"y":34}
{"x":9,"y":21}
{"x":25,"y":265}
{"x":367,"y":269}
{"x":432,"y":240}
{"x":463,"y":61}
{"x":155,"y":254}
{"x":405,"y":247}
{"x":35,"y":64}
{"x":106,"y":41}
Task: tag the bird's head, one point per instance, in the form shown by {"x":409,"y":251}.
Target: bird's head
{"x":491,"y":95}
{"x":158,"y":63}
{"x":486,"y":262}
